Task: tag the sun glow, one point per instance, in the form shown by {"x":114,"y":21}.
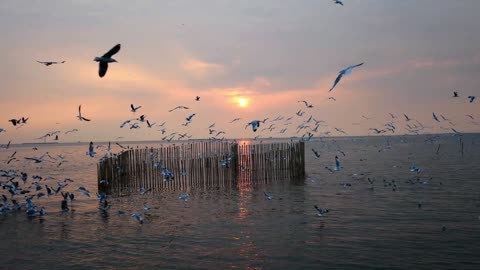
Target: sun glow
{"x":242,"y":102}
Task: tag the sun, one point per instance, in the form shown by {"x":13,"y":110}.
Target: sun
{"x":242,"y":102}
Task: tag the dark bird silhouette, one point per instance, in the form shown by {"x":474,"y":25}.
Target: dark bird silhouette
{"x":49,"y":63}
{"x":105,"y":59}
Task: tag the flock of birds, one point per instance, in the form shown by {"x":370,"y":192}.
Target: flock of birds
{"x":307,"y":129}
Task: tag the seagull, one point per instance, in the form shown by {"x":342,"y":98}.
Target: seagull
{"x":306,"y":103}
{"x":255,"y":124}
{"x":134,"y":109}
{"x":332,"y":98}
{"x":91,"y":152}
{"x":49,"y":63}
{"x":183,"y":197}
{"x":39,"y":159}
{"x":338,"y":2}
{"x":472,"y":98}
{"x":267,"y":196}
{"x":236,"y":119}
{"x":150,"y":125}
{"x":189,"y":118}
{"x":435,"y":117}
{"x":14,"y":121}
{"x":105,"y":59}
{"x":70,"y":131}
{"x":342,"y":73}
{"x":455,"y":94}
{"x":178,"y":107}
{"x":197,"y":98}
{"x":138,"y":217}
{"x":321,"y":211}
{"x":407,"y":118}
{"x":141,"y":118}
{"x":337,"y":164}
{"x":315,"y":152}
{"x":79,"y":116}
{"x":143,"y":191}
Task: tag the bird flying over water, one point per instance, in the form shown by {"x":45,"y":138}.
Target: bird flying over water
{"x":105,"y":59}
{"x":342,"y":73}
{"x":455,"y":94}
{"x":197,"y":98}
{"x":49,"y":63}
{"x":315,"y":152}
{"x":255,"y":124}
{"x":91,"y":151}
{"x":472,"y":98}
{"x":79,"y":116}
{"x":321,"y":211}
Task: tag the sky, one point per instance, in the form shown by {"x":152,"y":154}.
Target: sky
{"x":270,"y":54}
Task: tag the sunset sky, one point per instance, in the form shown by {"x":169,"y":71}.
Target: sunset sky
{"x":267,"y":54}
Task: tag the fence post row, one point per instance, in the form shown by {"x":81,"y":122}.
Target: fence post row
{"x":200,"y":165}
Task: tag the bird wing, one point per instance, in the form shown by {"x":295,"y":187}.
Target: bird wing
{"x":354,"y":66}
{"x":337,"y":80}
{"x":131,"y":106}
{"x":80,"y":110}
{"x":85,"y":119}
{"x":102,"y":69}
{"x":112,"y":51}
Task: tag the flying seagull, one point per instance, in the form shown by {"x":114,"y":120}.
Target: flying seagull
{"x":49,"y":63}
{"x":79,"y":116}
{"x":315,"y":152}
{"x":255,"y":124}
{"x":321,"y":211}
{"x":197,"y":98}
{"x":134,"y":109}
{"x":338,"y":2}
{"x":435,"y":117}
{"x":472,"y":98}
{"x":342,"y":73}
{"x":189,"y":118}
{"x":105,"y":59}
{"x":178,"y":107}
{"x":306,"y":103}
{"x":455,"y":94}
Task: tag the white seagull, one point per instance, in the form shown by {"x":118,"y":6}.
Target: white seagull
{"x":105,"y":59}
{"x":342,"y":73}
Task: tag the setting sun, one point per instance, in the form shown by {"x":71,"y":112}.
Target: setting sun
{"x":242,"y":102}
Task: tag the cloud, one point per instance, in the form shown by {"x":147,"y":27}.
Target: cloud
{"x":201,"y":69}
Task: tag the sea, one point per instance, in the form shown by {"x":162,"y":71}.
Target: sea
{"x":397,"y":202}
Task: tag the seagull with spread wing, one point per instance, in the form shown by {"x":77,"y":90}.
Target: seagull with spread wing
{"x":79,"y":116}
{"x":105,"y":59}
{"x":49,"y":63}
{"x":178,"y":107}
{"x":342,"y":73}
{"x":134,"y":109}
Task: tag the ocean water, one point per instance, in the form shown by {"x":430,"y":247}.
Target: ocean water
{"x":368,"y":226}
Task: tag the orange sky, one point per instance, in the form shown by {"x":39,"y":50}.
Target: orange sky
{"x":268,"y":53}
